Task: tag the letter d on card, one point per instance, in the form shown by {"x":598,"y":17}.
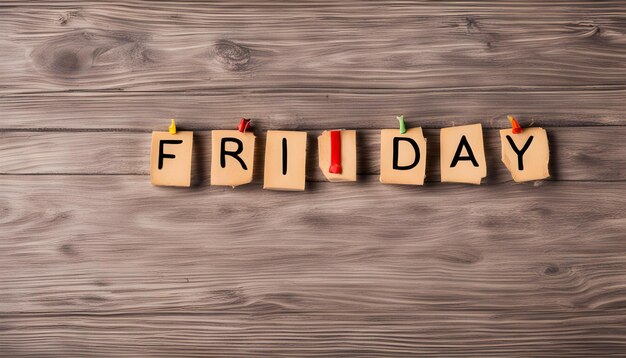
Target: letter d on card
{"x":402,"y":156}
{"x":170,"y":158}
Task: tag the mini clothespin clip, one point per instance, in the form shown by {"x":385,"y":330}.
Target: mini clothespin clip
{"x":244,"y":125}
{"x":400,"y":119}
{"x":172,"y":127}
{"x":517,"y":129}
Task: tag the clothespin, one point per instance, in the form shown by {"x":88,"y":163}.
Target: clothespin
{"x":244,"y":125}
{"x":517,"y":129}
{"x":173,"y":127}
{"x":400,"y":119}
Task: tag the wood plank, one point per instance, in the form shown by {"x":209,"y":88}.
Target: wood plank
{"x":110,"y":265}
{"x":313,"y":109}
{"x":579,"y":153}
{"x":361,"y":333}
{"x":181,"y":46}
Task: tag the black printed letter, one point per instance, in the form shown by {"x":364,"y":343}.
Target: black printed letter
{"x":234,"y":154}
{"x":163,"y":155}
{"x":459,"y":149}
{"x":396,"y":142}
{"x":284,"y":156}
{"x":520,"y":153}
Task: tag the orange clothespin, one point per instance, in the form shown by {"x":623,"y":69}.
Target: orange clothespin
{"x":172,"y":127}
{"x":244,"y":125}
{"x":517,"y":129}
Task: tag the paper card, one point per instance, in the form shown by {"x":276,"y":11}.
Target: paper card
{"x":170,"y":158}
{"x":526,"y":155}
{"x":463,"y":154}
{"x":402,"y":156}
{"x":285,"y":160}
{"x":232,"y":157}
{"x":347,"y":148}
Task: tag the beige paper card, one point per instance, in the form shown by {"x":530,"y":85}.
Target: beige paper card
{"x":348,"y":156}
{"x":463,"y":154}
{"x":402,"y":156}
{"x":285,"y":160}
{"x":170,"y":158}
{"x":526,"y":155}
{"x":232,"y":157}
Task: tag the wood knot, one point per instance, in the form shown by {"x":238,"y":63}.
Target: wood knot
{"x":233,"y":56}
{"x":593,"y":29}
{"x":66,"y":61}
{"x":551,"y":270}
{"x":71,"y":54}
{"x":473,"y":28}
{"x":65,"y":18}
{"x":465,"y":257}
{"x":68,"y":249}
{"x":233,"y":296}
{"x":471,"y":23}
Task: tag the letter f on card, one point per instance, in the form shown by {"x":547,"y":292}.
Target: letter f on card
{"x":170,"y":158}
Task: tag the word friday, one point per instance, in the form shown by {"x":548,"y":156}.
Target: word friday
{"x":525,"y":153}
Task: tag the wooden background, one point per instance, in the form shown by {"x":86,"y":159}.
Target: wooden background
{"x":95,"y":261}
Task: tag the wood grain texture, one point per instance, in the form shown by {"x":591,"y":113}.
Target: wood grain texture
{"x":94,"y":261}
{"x":213,"y":272}
{"x":133,"y":45}
{"x":312,"y":109}
{"x":555,"y":63}
{"x":592,"y":153}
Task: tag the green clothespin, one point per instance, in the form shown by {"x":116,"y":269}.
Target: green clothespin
{"x":400,"y":119}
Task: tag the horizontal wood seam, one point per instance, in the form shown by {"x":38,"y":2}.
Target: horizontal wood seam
{"x":366,"y":177}
{"x":257,"y":128}
{"x":369,"y":89}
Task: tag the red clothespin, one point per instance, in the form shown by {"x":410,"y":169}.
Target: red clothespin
{"x":335,"y":152}
{"x":244,"y":125}
{"x":517,"y":129}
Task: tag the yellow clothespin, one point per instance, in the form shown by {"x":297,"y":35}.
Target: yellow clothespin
{"x":173,"y":127}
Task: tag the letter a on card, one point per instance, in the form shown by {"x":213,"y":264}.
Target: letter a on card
{"x":337,"y":155}
{"x":285,"y":160}
{"x":526,"y":154}
{"x":463,"y":154}
{"x":232,"y":158}
{"x":402,"y":156}
{"x":170,"y":158}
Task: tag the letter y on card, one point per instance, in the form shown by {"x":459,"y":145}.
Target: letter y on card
{"x":170,"y":158}
{"x":526,"y":154}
